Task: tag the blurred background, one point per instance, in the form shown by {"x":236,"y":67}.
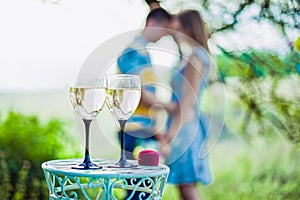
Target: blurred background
{"x":255,"y":44}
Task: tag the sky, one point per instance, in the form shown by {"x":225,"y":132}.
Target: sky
{"x":44,"y":44}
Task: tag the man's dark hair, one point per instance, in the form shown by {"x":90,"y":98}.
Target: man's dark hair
{"x":159,"y":15}
{"x":151,"y":1}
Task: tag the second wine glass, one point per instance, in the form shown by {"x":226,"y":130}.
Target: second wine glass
{"x":123,"y":97}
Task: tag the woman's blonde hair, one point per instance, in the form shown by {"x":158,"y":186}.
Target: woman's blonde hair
{"x":195,"y":28}
{"x":193,"y":24}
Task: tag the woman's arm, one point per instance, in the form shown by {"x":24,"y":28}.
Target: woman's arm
{"x":150,"y":100}
{"x":191,"y":84}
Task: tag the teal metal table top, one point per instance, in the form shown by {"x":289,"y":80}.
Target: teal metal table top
{"x":106,"y":183}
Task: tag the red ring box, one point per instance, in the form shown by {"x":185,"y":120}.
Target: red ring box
{"x":148,"y":158}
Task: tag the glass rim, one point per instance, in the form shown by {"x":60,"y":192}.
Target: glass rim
{"x":123,"y":75}
{"x":86,"y":87}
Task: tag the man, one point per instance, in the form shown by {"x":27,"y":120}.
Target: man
{"x":135,"y":59}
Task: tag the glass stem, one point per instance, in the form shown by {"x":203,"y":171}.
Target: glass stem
{"x":123,"y":157}
{"x":87,"y":123}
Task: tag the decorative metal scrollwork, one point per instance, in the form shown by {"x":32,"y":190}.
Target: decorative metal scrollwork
{"x":66,"y":183}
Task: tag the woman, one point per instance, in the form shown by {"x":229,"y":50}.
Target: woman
{"x":186,"y":130}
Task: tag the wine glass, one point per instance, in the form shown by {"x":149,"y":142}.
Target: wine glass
{"x":123,"y":96}
{"x":87,"y":98}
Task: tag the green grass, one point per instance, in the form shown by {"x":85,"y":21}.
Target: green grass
{"x":265,"y":170}
{"x":261,"y":169}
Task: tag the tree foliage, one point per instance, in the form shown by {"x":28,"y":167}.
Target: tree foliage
{"x":261,"y":73}
{"x":284,"y":14}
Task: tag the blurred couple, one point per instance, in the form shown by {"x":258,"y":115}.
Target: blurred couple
{"x":185,"y":129}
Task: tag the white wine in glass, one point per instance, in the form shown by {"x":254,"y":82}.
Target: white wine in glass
{"x":123,"y":97}
{"x":87,"y":98}
{"x":123,"y":101}
{"x":87,"y":102}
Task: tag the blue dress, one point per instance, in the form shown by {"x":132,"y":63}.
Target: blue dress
{"x":185,"y":161}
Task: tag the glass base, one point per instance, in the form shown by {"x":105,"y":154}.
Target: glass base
{"x":86,"y":166}
{"x":123,"y":164}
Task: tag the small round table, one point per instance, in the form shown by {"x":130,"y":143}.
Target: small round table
{"x":67,"y":183}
